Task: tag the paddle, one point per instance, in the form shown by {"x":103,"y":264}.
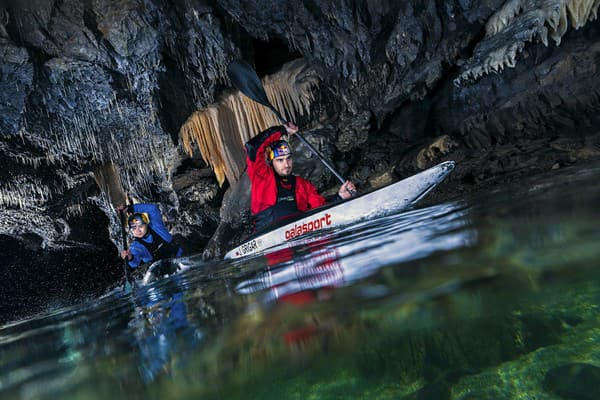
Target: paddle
{"x":124,"y":237}
{"x":244,"y":78}
{"x":109,"y":181}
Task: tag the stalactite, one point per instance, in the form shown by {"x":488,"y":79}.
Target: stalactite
{"x":89,"y":124}
{"x":522,"y":21}
{"x":24,"y":192}
{"x":140,"y":156}
{"x":204,"y":121}
{"x":219,"y":131}
{"x":53,"y":232}
{"x":75,"y":210}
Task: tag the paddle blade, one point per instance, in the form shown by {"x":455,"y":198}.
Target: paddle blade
{"x":108,"y":179}
{"x":244,"y":78}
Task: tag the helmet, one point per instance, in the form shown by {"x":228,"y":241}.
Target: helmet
{"x":138,"y":218}
{"x":278,"y":149}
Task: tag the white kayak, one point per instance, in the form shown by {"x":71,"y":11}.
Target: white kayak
{"x":389,"y":199}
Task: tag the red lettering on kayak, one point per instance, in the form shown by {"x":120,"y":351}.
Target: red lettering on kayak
{"x":313,"y":225}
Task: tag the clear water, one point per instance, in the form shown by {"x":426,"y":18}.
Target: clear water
{"x":482,"y":297}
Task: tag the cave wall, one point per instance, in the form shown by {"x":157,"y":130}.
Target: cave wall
{"x":404,"y":84}
{"x":90,"y":83}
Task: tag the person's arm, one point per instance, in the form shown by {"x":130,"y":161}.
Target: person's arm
{"x":136,"y":255}
{"x":347,"y":190}
{"x":314,"y":198}
{"x":307,"y":196}
{"x":333,"y":198}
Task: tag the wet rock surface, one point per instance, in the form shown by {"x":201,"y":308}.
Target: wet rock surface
{"x":573,"y":381}
{"x":83,"y":84}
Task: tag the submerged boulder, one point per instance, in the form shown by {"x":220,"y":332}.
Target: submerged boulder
{"x":573,"y":381}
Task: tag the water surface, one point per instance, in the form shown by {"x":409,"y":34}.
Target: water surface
{"x":491,"y":296}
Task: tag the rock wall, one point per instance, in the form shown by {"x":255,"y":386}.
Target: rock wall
{"x":404,"y":84}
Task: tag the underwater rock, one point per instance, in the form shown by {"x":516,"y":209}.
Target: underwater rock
{"x":573,"y":381}
{"x":536,"y":332}
{"x":431,"y":391}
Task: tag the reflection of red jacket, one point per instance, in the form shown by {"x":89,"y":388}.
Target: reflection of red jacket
{"x":262,"y":176}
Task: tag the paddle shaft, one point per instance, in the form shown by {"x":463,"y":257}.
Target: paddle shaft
{"x":310,"y":147}
{"x":124,"y":235}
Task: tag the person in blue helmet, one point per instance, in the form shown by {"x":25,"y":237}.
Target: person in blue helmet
{"x":151,"y":238}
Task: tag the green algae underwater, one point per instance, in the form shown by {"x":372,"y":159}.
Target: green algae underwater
{"x":490,"y":296}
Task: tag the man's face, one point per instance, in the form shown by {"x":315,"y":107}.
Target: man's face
{"x":283,"y":165}
{"x":138,"y":230}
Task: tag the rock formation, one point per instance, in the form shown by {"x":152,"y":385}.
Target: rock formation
{"x":97,"y":84}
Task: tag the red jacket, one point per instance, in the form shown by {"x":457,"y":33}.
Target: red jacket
{"x":262,"y":176}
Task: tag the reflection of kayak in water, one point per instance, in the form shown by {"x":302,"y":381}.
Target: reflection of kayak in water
{"x":322,"y":269}
{"x":395,"y":197}
{"x":312,"y":272}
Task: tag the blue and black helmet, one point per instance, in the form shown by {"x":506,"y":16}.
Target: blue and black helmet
{"x":138,"y":218}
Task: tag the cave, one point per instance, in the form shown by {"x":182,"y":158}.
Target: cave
{"x":506,"y":89}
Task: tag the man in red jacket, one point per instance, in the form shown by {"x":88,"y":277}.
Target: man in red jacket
{"x":277,"y":194}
